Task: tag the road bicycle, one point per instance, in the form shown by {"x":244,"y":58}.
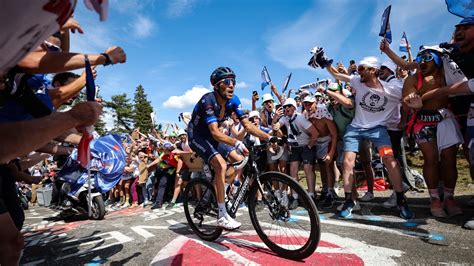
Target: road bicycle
{"x":292,"y":234}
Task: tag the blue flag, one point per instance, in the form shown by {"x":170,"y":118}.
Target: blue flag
{"x":462,"y":8}
{"x":287,"y":81}
{"x":404,"y":43}
{"x":385,"y":30}
{"x":90,"y":83}
{"x":265,"y":78}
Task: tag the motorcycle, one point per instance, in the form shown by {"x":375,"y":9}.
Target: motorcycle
{"x":106,"y":168}
{"x":72,"y":197}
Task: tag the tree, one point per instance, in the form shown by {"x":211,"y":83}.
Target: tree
{"x":99,"y":126}
{"x":123,"y":113}
{"x":142,"y":109}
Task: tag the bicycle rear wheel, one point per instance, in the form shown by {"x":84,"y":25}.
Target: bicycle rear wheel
{"x":292,"y":234}
{"x":200,"y":208}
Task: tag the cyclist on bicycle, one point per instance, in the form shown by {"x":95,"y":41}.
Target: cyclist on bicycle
{"x":212,"y":145}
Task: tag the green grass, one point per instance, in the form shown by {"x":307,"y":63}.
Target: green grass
{"x":464,"y":178}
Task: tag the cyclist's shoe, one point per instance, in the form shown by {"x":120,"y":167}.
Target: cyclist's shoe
{"x":391,"y":201}
{"x":347,"y":208}
{"x":437,"y":209}
{"x":405,"y":212}
{"x":368,"y":196}
{"x":329,"y":201}
{"x":293,"y":204}
{"x":171,"y":206}
{"x":451,"y":207}
{"x":259,"y":206}
{"x":228,"y":223}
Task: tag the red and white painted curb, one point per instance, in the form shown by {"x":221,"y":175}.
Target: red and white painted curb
{"x":246,"y":248}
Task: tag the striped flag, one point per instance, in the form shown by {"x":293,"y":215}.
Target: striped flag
{"x":385,"y":30}
{"x":404,"y":43}
{"x":265,"y":78}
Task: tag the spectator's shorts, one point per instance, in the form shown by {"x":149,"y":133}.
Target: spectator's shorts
{"x":322,"y":147}
{"x":186,"y":175}
{"x":301,"y":154}
{"x":354,"y":137}
{"x":207,"y":147}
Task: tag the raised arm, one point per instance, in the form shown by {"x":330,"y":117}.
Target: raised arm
{"x":336,"y":75}
{"x":54,"y":62}
{"x":385,"y":47}
{"x":18,"y":136}
{"x":343,"y":100}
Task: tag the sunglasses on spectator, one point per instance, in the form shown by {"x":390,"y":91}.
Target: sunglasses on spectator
{"x":286,"y":106}
{"x":252,"y":119}
{"x":362,"y":68}
{"x":424,"y":58}
{"x":268,"y":102}
{"x":52,"y":47}
{"x":228,"y":81}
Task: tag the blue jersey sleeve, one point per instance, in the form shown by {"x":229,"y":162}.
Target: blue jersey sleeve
{"x":208,"y":107}
{"x":236,"y":106}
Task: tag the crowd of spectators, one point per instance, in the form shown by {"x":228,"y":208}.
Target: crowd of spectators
{"x":368,"y":104}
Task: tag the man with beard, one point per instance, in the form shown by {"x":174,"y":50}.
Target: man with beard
{"x":374,"y":100}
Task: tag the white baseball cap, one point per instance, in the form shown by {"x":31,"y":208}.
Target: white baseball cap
{"x":309,"y":99}
{"x":390,"y":65}
{"x":254,"y":114}
{"x":370,"y":61}
{"x":290,"y":101}
{"x":181,"y":132}
{"x":267,"y":97}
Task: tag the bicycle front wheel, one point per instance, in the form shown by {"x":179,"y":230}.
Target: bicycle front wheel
{"x":200,"y":208}
{"x":292,"y":234}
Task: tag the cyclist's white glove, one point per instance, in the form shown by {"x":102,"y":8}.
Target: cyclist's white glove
{"x":239,"y":146}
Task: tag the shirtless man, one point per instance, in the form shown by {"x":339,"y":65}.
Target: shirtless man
{"x":436,"y":132}
{"x":326,"y":142}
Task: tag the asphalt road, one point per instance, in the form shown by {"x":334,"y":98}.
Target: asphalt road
{"x":140,"y":236}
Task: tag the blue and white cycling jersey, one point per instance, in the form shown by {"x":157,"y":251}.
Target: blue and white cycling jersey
{"x":208,"y":111}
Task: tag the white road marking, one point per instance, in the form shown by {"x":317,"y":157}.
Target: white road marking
{"x":121,"y":239}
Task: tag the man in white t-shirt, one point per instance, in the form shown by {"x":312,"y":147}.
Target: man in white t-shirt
{"x":302,"y":136}
{"x":374,"y":100}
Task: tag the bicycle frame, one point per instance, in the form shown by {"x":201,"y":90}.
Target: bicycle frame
{"x":252,"y":175}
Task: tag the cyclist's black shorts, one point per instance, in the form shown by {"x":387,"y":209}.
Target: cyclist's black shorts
{"x":207,"y":147}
